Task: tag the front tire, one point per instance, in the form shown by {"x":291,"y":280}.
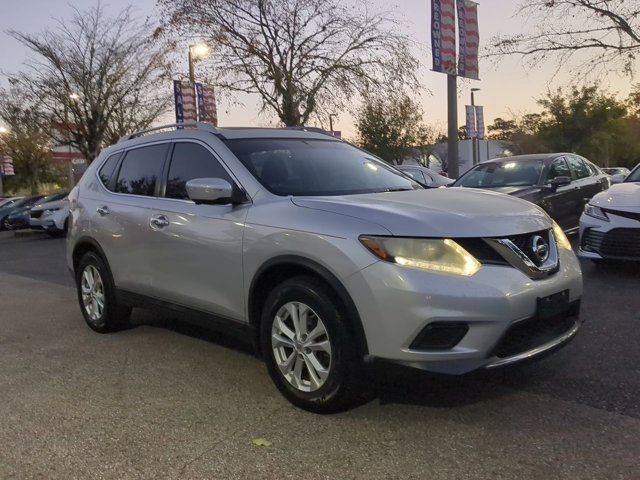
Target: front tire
{"x":309,"y":351}
{"x":96,"y":295}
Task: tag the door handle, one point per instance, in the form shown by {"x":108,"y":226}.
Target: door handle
{"x":102,"y":211}
{"x":160,"y":221}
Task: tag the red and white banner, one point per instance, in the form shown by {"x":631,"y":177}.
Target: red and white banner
{"x":6,"y":166}
{"x":471,"y":121}
{"x":480,"y":122}
{"x":207,"y":108}
{"x":469,"y":39}
{"x":185,"y":98}
{"x":443,"y":36}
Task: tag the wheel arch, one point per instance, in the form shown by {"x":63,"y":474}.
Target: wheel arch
{"x":84,"y":245}
{"x":278,"y":269}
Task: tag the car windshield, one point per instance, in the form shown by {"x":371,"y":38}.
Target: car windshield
{"x":634,"y":176}
{"x":316,"y":167}
{"x":502,"y":174}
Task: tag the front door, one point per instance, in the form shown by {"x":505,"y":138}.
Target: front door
{"x":561,"y":203}
{"x":197,"y":248}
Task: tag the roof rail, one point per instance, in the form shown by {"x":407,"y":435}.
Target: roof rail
{"x":313,"y":129}
{"x":198,"y":125}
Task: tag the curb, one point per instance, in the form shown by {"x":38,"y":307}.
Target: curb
{"x":27,"y":233}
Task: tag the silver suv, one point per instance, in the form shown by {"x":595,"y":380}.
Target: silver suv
{"x":324,"y":256}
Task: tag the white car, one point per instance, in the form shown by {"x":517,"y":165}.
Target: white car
{"x":610,"y":224}
{"x":51,"y":217}
{"x":425,"y":176}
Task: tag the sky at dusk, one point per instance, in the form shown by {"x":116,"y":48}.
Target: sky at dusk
{"x":506,"y":88}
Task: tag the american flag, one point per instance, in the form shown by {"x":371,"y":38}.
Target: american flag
{"x":185,"y":97}
{"x":207,"y":109}
{"x":469,"y":35}
{"x":443,"y":36}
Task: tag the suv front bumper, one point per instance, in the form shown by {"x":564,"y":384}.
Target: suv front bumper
{"x":397,"y":303}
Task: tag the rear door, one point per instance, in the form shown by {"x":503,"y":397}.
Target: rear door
{"x":197,"y":249}
{"x":121,"y":216}
{"x":562,"y":203}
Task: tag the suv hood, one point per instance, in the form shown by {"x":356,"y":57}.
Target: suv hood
{"x":439,"y":212}
{"x":619,"y":195}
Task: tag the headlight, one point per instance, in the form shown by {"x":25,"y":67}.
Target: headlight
{"x":436,"y":255}
{"x":595,"y":212}
{"x":561,"y":238}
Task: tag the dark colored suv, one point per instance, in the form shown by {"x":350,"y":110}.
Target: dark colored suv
{"x":560,"y":183}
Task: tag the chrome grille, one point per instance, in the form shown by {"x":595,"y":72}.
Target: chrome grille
{"x":519,"y":251}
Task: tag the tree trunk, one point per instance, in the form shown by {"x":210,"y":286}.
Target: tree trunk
{"x":35,"y":181}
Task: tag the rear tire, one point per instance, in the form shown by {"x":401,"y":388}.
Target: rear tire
{"x":96,"y":295}
{"x":310,"y":354}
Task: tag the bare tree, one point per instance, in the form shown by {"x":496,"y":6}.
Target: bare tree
{"x":591,"y":35}
{"x":302,"y":57}
{"x":96,"y":76}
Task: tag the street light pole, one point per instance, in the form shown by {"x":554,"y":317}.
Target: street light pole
{"x":452,"y":107}
{"x":3,"y":130}
{"x":475,"y":145}
{"x":196,"y":52}
{"x":331,"y":115}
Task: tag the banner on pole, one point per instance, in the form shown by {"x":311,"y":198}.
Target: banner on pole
{"x":6,"y":166}
{"x":207,"y":108}
{"x":469,"y":39}
{"x":471,"y":121}
{"x":185,"y":101}
{"x":443,"y":36}
{"x":480,"y":121}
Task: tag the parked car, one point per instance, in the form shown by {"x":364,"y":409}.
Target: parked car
{"x":52,"y":217}
{"x":610,"y":224}
{"x":321,"y":254}
{"x":617,"y":174}
{"x":20,"y":218}
{"x":425,"y":176}
{"x":7,"y":201}
{"x":8,"y":209}
{"x":560,"y":183}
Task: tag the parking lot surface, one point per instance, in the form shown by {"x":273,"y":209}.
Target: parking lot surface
{"x":163,"y":400}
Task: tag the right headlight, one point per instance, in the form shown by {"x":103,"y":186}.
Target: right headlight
{"x":595,"y":212}
{"x":561,"y":237}
{"x":441,"y":255}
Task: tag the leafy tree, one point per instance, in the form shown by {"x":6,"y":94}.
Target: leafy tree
{"x":582,"y":121}
{"x":502,"y":129}
{"x":25,"y":141}
{"x":97,"y":76}
{"x":600,"y":35}
{"x":392,"y":127}
{"x":303,"y":58}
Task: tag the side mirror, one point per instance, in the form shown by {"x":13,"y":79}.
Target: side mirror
{"x":210,"y":191}
{"x":617,"y":178}
{"x":561,"y":181}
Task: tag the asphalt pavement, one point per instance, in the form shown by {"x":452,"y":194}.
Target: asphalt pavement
{"x":164,"y":400}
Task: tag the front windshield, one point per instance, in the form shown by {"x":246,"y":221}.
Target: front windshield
{"x":502,"y":174}
{"x":316,"y":167}
{"x":634,"y":176}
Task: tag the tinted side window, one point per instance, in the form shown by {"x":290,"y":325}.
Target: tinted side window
{"x":108,"y":168}
{"x":578,"y":167}
{"x":559,"y":168}
{"x":189,"y":161}
{"x":141,"y":169}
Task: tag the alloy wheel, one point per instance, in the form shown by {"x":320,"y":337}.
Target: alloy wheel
{"x":93,"y":297}
{"x":301,"y":346}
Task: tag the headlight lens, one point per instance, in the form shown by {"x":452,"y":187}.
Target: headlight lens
{"x":561,"y":238}
{"x":595,"y":212}
{"x":436,"y":255}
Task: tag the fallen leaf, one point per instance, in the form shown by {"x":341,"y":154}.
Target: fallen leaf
{"x":262,"y":442}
